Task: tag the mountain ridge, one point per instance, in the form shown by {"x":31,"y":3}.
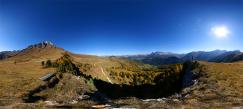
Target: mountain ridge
{"x":42,"y":50}
{"x":157,"y":58}
{"x":48,"y":49}
{"x":121,"y":78}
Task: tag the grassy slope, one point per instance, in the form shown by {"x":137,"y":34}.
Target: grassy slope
{"x":38,"y":54}
{"x":105,"y":63}
{"x":17,"y":79}
{"x":221,"y":86}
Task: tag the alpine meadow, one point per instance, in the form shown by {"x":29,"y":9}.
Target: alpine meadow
{"x":121,"y":54}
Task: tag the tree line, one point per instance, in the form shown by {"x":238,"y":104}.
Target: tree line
{"x":63,"y":64}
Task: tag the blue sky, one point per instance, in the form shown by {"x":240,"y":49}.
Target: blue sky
{"x":117,"y":27}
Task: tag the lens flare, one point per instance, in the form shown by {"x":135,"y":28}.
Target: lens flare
{"x":220,"y":31}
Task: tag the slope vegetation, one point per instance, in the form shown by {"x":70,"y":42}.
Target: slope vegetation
{"x":107,"y":79}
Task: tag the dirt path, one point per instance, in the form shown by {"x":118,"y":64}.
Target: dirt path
{"x":105,"y":75}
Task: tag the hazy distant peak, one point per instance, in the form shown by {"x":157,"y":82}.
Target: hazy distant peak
{"x":161,"y":53}
{"x":7,"y":54}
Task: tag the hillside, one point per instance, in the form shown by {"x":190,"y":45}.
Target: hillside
{"x":86,"y":80}
{"x":203,"y":55}
{"x":38,"y":52}
{"x":7,"y":54}
{"x":219,"y":86}
{"x":20,"y":74}
{"x":228,"y":57}
{"x":158,"y":58}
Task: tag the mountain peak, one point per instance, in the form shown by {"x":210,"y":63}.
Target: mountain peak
{"x":48,"y":43}
{"x":44,"y":44}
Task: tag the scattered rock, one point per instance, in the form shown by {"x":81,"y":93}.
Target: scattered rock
{"x":74,"y":102}
{"x":163,"y":98}
{"x":177,"y":96}
{"x":195,"y":82}
{"x":78,"y":77}
{"x":101,"y":106}
{"x":51,"y":103}
{"x":176,"y":100}
{"x":147,"y":100}
{"x":187,"y":95}
{"x":124,"y":108}
{"x":159,"y":100}
{"x":83,"y":97}
{"x":237,"y":107}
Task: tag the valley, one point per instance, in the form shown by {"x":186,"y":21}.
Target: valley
{"x":121,"y":54}
{"x":87,"y":81}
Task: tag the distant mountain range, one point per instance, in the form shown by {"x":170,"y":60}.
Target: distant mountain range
{"x":230,"y":56}
{"x":154,"y":58}
{"x":158,"y":58}
{"x":7,"y":54}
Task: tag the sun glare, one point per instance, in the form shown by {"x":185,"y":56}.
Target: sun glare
{"x":220,"y":31}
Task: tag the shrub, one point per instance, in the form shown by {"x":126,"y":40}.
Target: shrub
{"x":48,"y":63}
{"x":65,"y":65}
{"x":43,"y":63}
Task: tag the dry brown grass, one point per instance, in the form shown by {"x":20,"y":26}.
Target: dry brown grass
{"x":20,"y":73}
{"x":228,"y":76}
{"x":69,"y":88}
{"x":105,"y":63}
{"x":38,"y":54}
{"x":221,"y":87}
{"x":18,"y":79}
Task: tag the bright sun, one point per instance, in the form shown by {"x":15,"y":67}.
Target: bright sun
{"x":220,"y":31}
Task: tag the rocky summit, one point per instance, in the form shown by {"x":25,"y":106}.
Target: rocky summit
{"x":43,"y":44}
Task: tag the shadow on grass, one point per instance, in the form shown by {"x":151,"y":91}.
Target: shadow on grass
{"x":31,"y":97}
{"x":146,"y":91}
